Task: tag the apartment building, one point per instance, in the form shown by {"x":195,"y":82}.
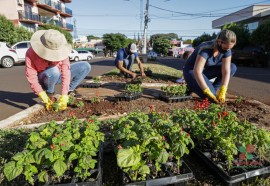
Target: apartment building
{"x":251,"y":16}
{"x":33,"y":13}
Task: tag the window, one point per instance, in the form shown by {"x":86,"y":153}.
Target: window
{"x":22,"y":45}
{"x":20,"y":2}
{"x":252,"y":26}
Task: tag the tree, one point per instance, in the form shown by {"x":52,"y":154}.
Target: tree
{"x":204,"y":37}
{"x":89,"y":37}
{"x":168,"y":36}
{"x":55,"y":27}
{"x":242,"y":34}
{"x":261,"y":36}
{"x":114,"y":42}
{"x":161,"y":45}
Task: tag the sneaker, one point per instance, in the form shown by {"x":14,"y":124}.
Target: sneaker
{"x":74,"y":93}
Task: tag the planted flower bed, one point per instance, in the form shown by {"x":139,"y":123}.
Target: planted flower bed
{"x":57,"y":154}
{"x":175,"y":93}
{"x":150,"y":148}
{"x":236,"y":150}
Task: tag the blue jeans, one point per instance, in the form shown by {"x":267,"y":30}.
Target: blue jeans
{"x":208,"y":73}
{"x":128,"y":62}
{"x":52,"y":76}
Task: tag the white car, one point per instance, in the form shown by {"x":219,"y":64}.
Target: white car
{"x":8,"y":56}
{"x":21,"y":49}
{"x":80,"y":55}
{"x":152,"y":55}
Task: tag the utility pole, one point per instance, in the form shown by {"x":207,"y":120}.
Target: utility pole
{"x":146,"y":20}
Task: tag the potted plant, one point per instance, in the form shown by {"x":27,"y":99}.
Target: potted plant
{"x":174,"y":93}
{"x":132,"y":91}
{"x":149,"y":149}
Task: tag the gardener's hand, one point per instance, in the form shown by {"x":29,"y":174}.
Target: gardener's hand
{"x":143,"y":75}
{"x":63,"y":100}
{"x":133,"y":75}
{"x":45,"y":99}
{"x":221,"y":94}
{"x":209,"y":94}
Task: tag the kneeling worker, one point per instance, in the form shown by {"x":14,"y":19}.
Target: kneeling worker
{"x":125,"y":59}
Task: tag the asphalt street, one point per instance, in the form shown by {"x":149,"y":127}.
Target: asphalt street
{"x":16,"y":95}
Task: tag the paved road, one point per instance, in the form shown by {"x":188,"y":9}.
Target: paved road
{"x":16,"y":95}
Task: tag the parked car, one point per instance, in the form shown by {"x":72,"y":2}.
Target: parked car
{"x":21,"y":49}
{"x":80,"y":55}
{"x":152,"y":55}
{"x":8,"y":56}
{"x":250,"y":56}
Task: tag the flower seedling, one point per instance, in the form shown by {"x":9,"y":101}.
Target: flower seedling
{"x":177,"y":90}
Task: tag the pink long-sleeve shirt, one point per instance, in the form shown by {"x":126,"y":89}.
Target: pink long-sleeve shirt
{"x":35,"y":64}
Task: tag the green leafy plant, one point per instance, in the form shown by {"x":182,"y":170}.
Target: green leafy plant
{"x":223,"y":129}
{"x":96,"y":79}
{"x":80,"y":104}
{"x":148,"y":139}
{"x":133,"y":88}
{"x":54,"y":150}
{"x":177,"y":90}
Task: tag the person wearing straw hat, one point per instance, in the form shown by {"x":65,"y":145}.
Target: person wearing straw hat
{"x":125,"y":59}
{"x":47,"y":64}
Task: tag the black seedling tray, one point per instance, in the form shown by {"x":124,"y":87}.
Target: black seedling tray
{"x":96,"y":174}
{"x":180,"y":179}
{"x":244,"y":176}
{"x":90,"y":85}
{"x":173,"y":99}
{"x":127,"y":96}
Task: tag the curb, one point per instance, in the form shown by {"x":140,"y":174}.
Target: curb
{"x":20,"y":116}
{"x":122,"y":83}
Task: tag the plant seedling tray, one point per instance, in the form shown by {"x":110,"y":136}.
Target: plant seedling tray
{"x":95,"y":173}
{"x":127,"y":97}
{"x":90,"y":85}
{"x":245,"y":176}
{"x":180,"y":179}
{"x":173,"y":99}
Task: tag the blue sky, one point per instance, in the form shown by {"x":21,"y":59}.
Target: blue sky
{"x":188,"y":19}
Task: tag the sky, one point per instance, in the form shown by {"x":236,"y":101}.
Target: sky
{"x":188,"y":19}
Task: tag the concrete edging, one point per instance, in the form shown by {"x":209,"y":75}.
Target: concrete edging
{"x":20,"y":116}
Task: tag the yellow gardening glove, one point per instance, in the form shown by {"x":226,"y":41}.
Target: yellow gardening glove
{"x":209,"y":94}
{"x":63,"y":100}
{"x":221,"y":93}
{"x":45,"y":99}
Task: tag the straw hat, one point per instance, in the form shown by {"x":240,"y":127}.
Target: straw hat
{"x":50,"y":45}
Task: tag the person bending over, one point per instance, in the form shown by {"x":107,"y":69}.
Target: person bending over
{"x":47,"y":64}
{"x":211,"y":59}
{"x":125,"y":59}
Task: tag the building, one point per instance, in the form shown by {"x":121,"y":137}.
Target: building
{"x":251,"y":16}
{"x":33,"y":13}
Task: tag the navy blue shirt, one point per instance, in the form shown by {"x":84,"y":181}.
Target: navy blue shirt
{"x":122,"y":54}
{"x":205,"y":50}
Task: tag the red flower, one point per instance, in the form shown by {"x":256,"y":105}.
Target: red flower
{"x":152,"y":108}
{"x":52,"y":146}
{"x":72,"y":113}
{"x":214,"y":124}
{"x":224,"y":114}
{"x":163,"y":138}
{"x":242,"y":156}
{"x":250,"y":148}
{"x":119,"y":147}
